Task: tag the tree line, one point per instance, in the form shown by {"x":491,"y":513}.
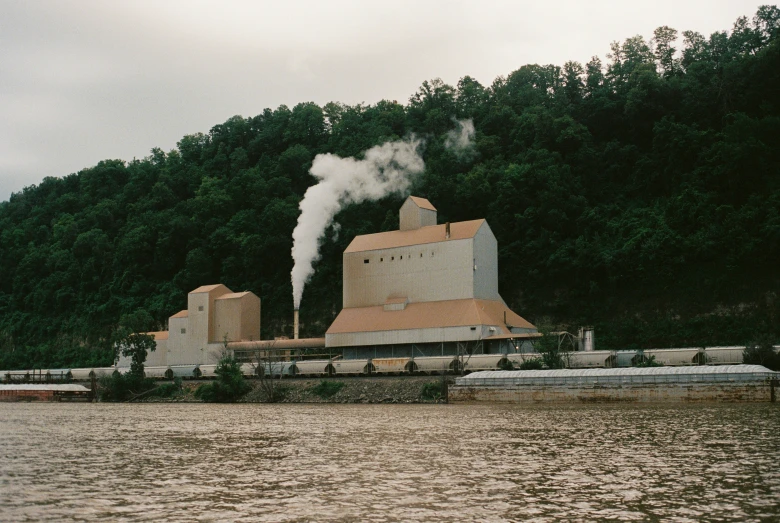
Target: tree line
{"x":639,"y":194}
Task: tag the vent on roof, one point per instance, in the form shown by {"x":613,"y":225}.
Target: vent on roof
{"x":396,"y":303}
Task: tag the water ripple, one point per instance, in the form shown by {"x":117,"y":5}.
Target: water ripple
{"x":387,"y":463}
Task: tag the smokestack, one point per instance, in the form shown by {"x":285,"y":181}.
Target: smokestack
{"x":385,"y":169}
{"x":447,"y":231}
{"x":295,"y":324}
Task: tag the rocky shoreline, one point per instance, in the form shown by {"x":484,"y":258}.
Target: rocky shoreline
{"x":374,"y":389}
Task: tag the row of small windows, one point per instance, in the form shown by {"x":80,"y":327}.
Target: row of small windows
{"x":392,"y":258}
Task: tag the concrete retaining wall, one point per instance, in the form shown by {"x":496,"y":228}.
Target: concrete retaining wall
{"x":723,"y":392}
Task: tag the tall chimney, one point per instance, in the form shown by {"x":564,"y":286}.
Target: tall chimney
{"x":295,"y":324}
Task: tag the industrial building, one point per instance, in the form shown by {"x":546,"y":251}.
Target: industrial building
{"x":214,"y":316}
{"x":427,"y":289}
{"x":196,"y":335}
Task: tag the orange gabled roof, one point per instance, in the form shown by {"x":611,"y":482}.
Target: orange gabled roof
{"x":422,"y":203}
{"x":207,"y":288}
{"x":426,"y":315}
{"x":423,"y":235}
{"x":233,"y":295}
{"x":159,"y":335}
{"x":181,"y":314}
{"x":515,"y":336}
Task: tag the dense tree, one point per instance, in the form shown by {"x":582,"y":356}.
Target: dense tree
{"x":640,"y":195}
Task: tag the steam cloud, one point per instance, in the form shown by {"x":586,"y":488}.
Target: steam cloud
{"x":385,"y":169}
{"x":461,"y":138}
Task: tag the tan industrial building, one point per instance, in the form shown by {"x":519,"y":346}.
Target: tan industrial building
{"x":426,"y":289}
{"x":197,"y":335}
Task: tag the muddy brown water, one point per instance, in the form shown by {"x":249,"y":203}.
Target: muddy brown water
{"x":254,"y":462}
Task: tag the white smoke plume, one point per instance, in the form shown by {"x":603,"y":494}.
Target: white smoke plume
{"x":385,"y":169}
{"x":461,"y":138}
{"x":336,"y":230}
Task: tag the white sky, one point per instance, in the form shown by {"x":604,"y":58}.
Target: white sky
{"x":82,"y":81}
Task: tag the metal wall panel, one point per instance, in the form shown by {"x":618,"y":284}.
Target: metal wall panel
{"x":400,"y":337}
{"x":485,"y":264}
{"x":227,"y":320}
{"x":430,"y":272}
{"x":411,"y":216}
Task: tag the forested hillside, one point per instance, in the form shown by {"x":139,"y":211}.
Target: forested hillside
{"x":639,"y":194}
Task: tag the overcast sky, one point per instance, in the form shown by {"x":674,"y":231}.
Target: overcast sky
{"x":82,"y":81}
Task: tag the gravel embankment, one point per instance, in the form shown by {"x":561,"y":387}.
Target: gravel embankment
{"x":375,"y":389}
{"x":390,"y":389}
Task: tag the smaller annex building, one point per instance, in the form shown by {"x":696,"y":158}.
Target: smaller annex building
{"x":427,"y":289}
{"x":197,"y":334}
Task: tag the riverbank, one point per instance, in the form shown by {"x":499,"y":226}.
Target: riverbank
{"x":375,"y":389}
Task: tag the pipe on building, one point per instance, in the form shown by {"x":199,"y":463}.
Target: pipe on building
{"x":295,"y":324}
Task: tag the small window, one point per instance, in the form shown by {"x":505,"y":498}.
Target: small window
{"x":200,"y":308}
{"x":392,"y":258}
{"x":381,"y":259}
{"x":184,"y":331}
{"x":420,"y":255}
{"x":473,"y":328}
{"x":402,"y":256}
{"x":365,"y":261}
{"x":431,"y":253}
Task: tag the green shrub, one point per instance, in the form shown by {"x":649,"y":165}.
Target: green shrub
{"x":326,"y":389}
{"x":168,"y":390}
{"x":433,"y":390}
{"x":532,"y":364}
{"x":505,"y":364}
{"x":647,"y":361}
{"x":229,"y":385}
{"x":123,"y":387}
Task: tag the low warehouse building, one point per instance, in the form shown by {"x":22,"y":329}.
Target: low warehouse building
{"x":751,"y":383}
{"x":44,"y":392}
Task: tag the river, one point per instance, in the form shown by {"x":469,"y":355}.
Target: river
{"x":255,"y":462}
